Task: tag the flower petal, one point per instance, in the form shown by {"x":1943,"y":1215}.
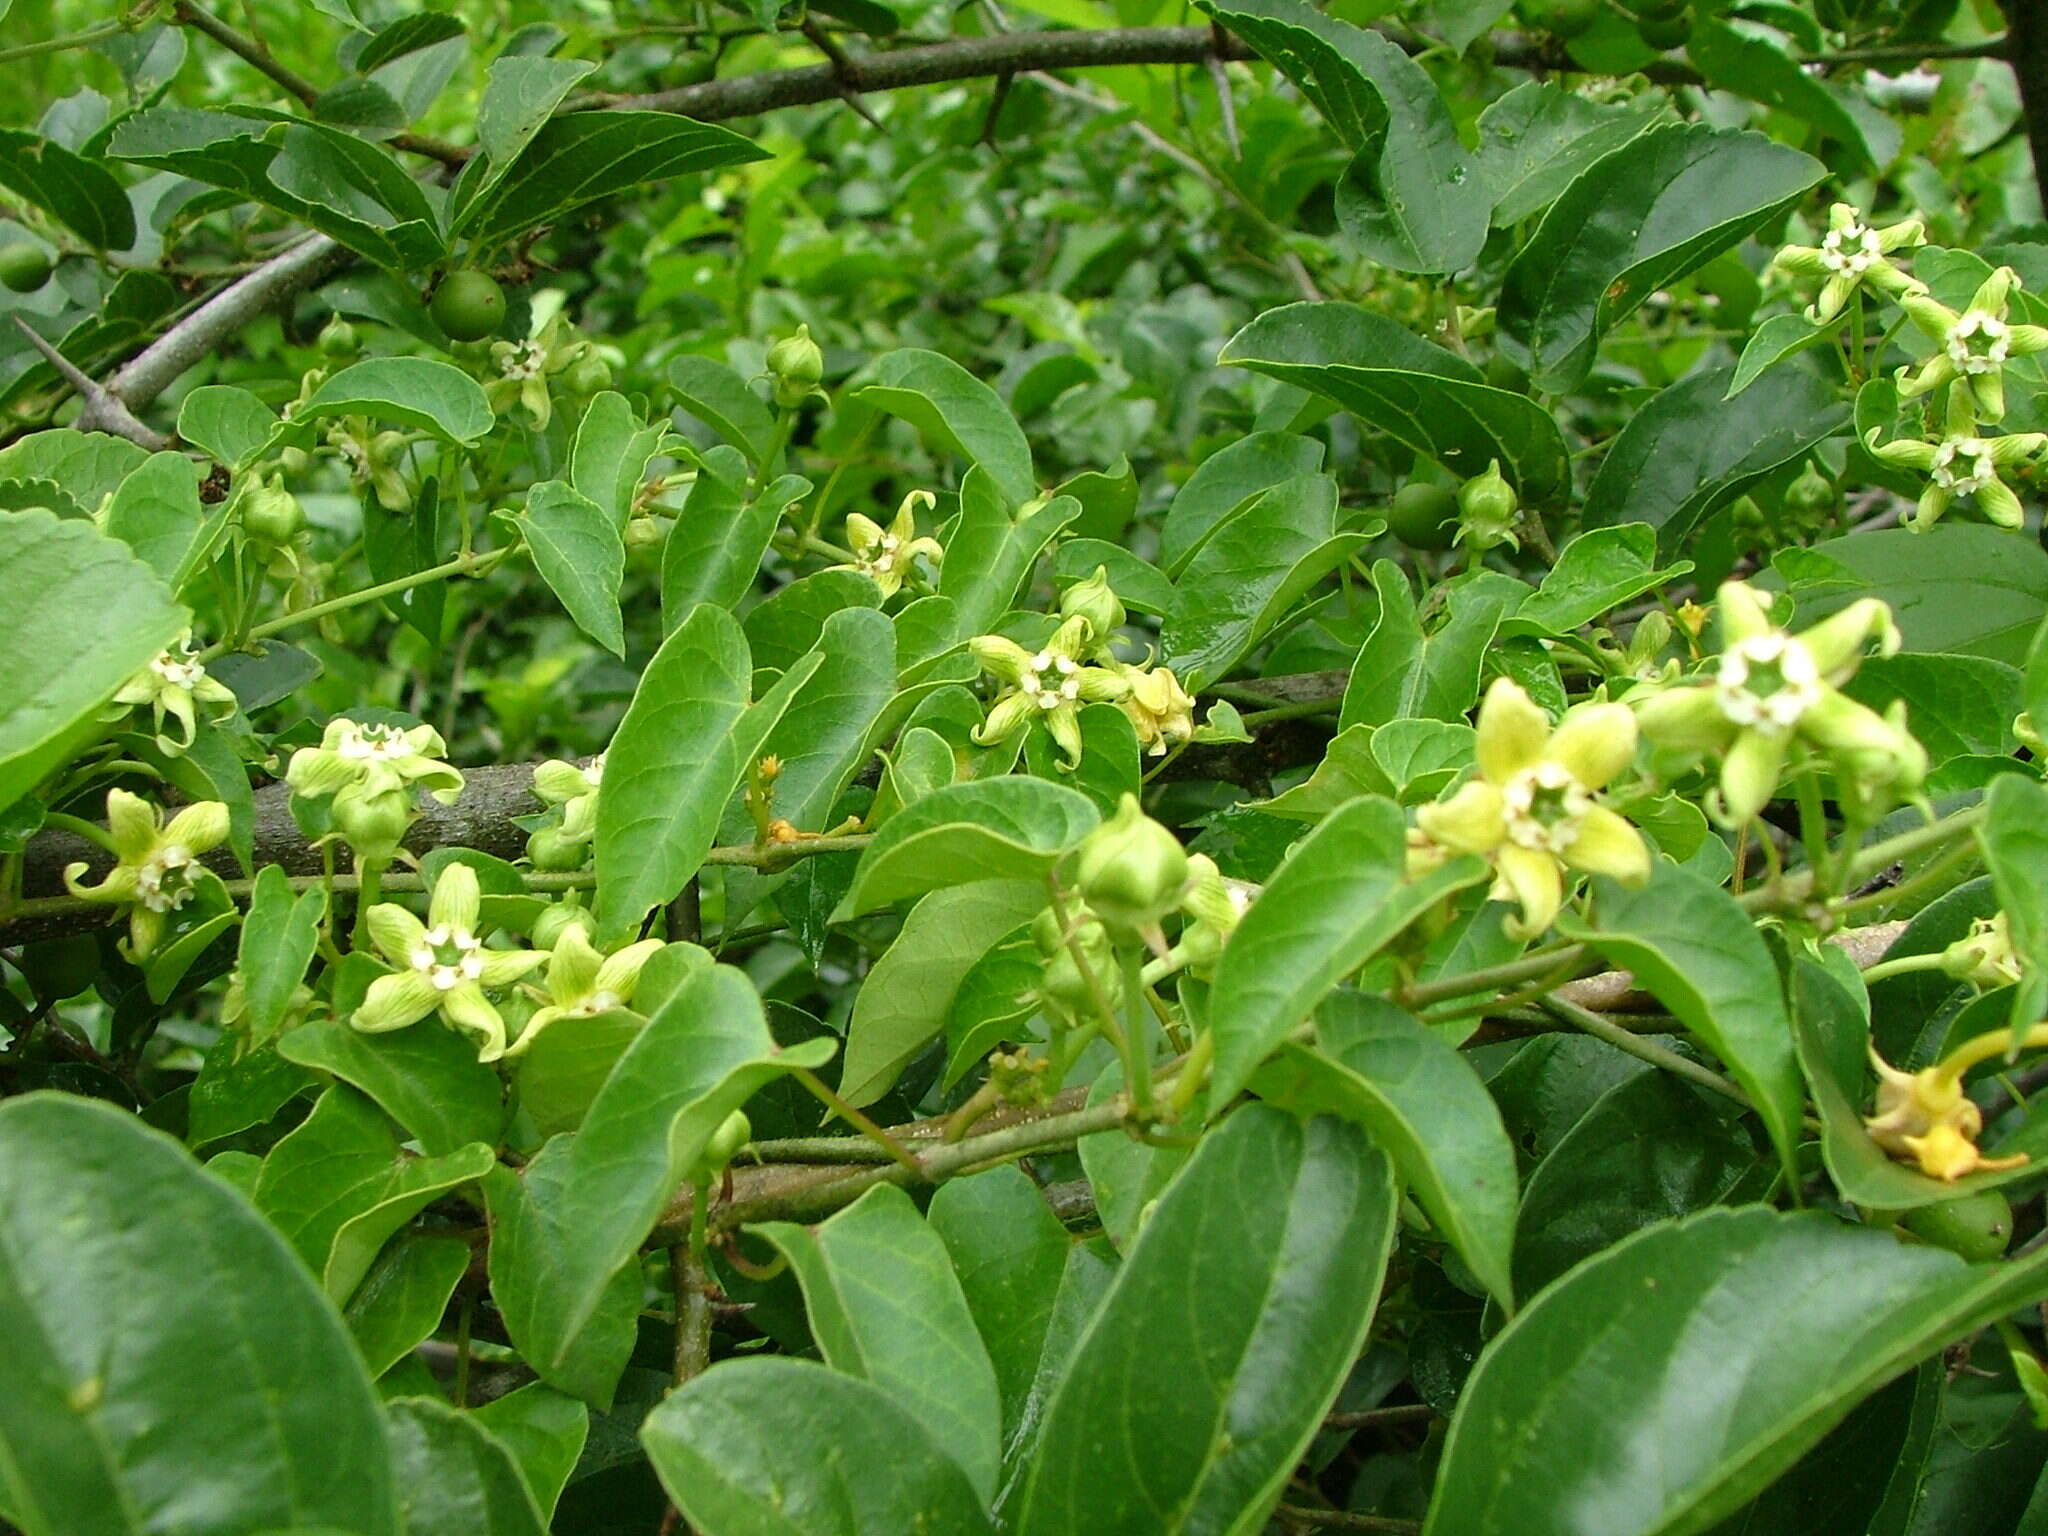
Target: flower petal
{"x":131,"y":825}
{"x":620,"y":973}
{"x":395,"y":932}
{"x":1749,"y":774}
{"x":457,"y":898}
{"x":199,"y":827}
{"x":317,"y":772}
{"x":1512,"y":731}
{"x":470,"y":1011}
{"x":1594,"y":742}
{"x":395,"y":1002}
{"x":503,"y":966}
{"x":1473,"y":820}
{"x":1745,"y":613}
{"x":573,"y":967}
{"x":1537,"y":883}
{"x":1608,"y":845}
{"x":1685,"y":720}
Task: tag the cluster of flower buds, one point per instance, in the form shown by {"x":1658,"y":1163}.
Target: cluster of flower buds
{"x":175,"y":686}
{"x":563,"y":841}
{"x":1771,"y":691}
{"x":1532,"y":810}
{"x":888,"y":556}
{"x":553,"y":353}
{"x":1962,"y":464}
{"x":369,"y":773}
{"x":157,"y":864}
{"x":441,"y":966}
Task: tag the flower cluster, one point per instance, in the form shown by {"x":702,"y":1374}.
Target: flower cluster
{"x":158,"y":864}
{"x":375,"y":459}
{"x":1531,"y":811}
{"x":370,"y":773}
{"x":1962,"y":464}
{"x":564,"y":842}
{"x":1771,"y":691}
{"x":175,"y":685}
{"x":887,"y":556}
{"x":442,"y":965}
{"x":1853,"y":257}
{"x":1974,"y":345}
{"x":525,"y":369}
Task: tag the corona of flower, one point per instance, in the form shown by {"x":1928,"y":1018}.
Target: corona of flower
{"x":1962,"y":464}
{"x":1050,"y":684}
{"x":175,"y":684}
{"x":1974,"y":345}
{"x":443,"y":966}
{"x":885,"y":555}
{"x":1770,"y":690}
{"x":1531,"y":811}
{"x":158,"y":862}
{"x":1853,"y":256}
{"x":583,"y":983}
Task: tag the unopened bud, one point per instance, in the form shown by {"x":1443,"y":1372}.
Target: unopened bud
{"x":338,"y":339}
{"x":588,"y":374}
{"x":1984,"y":957}
{"x":557,"y":920}
{"x":1131,"y":870}
{"x":552,"y":849}
{"x":272,"y":514}
{"x":1095,"y":601}
{"x":1486,"y":510}
{"x":795,"y":364}
{"x":373,"y":826}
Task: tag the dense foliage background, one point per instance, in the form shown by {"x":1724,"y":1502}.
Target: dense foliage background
{"x":1318,"y":805}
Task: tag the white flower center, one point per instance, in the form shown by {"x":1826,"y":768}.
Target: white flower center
{"x":593,"y":773}
{"x":1979,"y":343}
{"x":525,"y":361}
{"x":601,"y":1001}
{"x":164,"y":883}
{"x":367,"y":743}
{"x":1767,"y":682}
{"x":178,"y":671}
{"x":1850,"y":252}
{"x":448,"y":956}
{"x":1543,"y":805}
{"x":1964,"y":465}
{"x":1062,"y":687}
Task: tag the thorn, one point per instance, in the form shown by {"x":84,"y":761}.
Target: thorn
{"x":104,"y":411}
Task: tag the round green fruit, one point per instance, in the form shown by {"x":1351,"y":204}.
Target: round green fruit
{"x":1424,"y":515}
{"x":1975,"y":1226}
{"x":469,"y":306}
{"x":1665,"y":32}
{"x":24,"y":267}
{"x":1560,"y":18}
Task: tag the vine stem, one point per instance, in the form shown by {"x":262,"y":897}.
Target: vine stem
{"x":82,"y":39}
{"x":473,"y":565}
{"x":1605,"y":1029}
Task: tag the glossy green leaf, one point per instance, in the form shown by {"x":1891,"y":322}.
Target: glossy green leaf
{"x":1007,"y":828}
{"x":782,"y":626}
{"x":455,"y":1478}
{"x":1596,"y":573}
{"x":156,"y":513}
{"x":1960,"y":588}
{"x":1778,"y":338}
{"x":1749,"y":66}
{"x":565,"y":1225}
{"x":1402,"y":673}
{"x":402,"y":1299}
{"x":713,"y":553}
{"x":738,"y":1450}
{"x":905,"y":1001}
{"x":427,"y":1078}
{"x":278,"y":940}
{"x":521,"y":92}
{"x":990,"y":553}
{"x":416,"y":392}
{"x":722,"y":400}
{"x":170,"y":1365}
{"x":957,"y":414}
{"x":545,"y":1431}
{"x":1958,"y":705}
{"x":1535,"y":140}
{"x":1417,"y":393}
{"x":2014,"y":841}
{"x":1341,"y":896}
{"x":64,"y":577}
{"x":996,"y":996}
{"x":580,"y":157}
{"x":229,"y":424}
{"x":236,"y":1090}
{"x":85,"y":466}
{"x":578,"y":551}
{"x":1125,"y":1175}
{"x":885,"y":1306}
{"x":1223,"y":1338}
{"x":79,"y":192}
{"x":1691,"y":450}
{"x":1637,"y":220}
{"x":687,"y":738}
{"x":1410,"y":199}
{"x":1420,"y":1100}
{"x":1249,"y":573}
{"x":1698,"y":953}
{"x":1662,"y":1384}
{"x":613,"y":448}
{"x":1225,"y":483}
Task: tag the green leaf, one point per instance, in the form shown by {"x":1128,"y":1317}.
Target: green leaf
{"x":1535,"y":141}
{"x":1143,"y":588}
{"x":1420,"y":1100}
{"x":989,"y":555}
{"x":1714,"y":1350}
{"x":228,"y":424}
{"x":577,"y":1214}
{"x":1223,"y":1339}
{"x":156,"y":513}
{"x":713,"y":552}
{"x":1699,"y":954}
{"x":455,"y":1477}
{"x":1403,"y":674}
{"x":582,"y":157}
{"x":87,"y":467}
{"x":427,"y":1078}
{"x":1778,"y":338}
{"x":884,"y":1306}
{"x":1225,"y":483}
{"x":545,"y":1431}
{"x":279,"y":938}
{"x":1410,"y":200}
{"x":1124,"y":1175}
{"x":957,"y":414}
{"x":1958,"y":705}
{"x":234,"y":1092}
{"x":2014,"y":841}
{"x":678,"y":755}
{"x":1249,"y":573}
{"x":998,"y":992}
{"x":1009,"y":1252}
{"x":1637,"y":220}
{"x":417,"y":392}
{"x":738,"y":1450}
{"x":521,"y":92}
{"x":720,"y":398}
{"x":79,"y":193}
{"x":1342,"y":895}
{"x":403,"y":1297}
{"x":1960,"y":588}
{"x":1596,"y":573}
{"x":1421,"y":395}
{"x":561,"y":1072}
{"x":337,"y":1186}
{"x":578,"y":551}
{"x":2035,"y":680}
{"x":64,"y":578}
{"x":137,"y":1290}
{"x":1006,"y":828}
{"x":788,"y":622}
{"x":613,"y":448}
{"x":905,"y":1000}
{"x":1747,"y":65}
{"x":408,"y":34}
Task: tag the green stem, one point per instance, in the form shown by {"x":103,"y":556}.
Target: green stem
{"x":91,"y":831}
{"x":369,"y":888}
{"x":1301,"y":711}
{"x":1794,"y":889}
{"x":1494,"y":978}
{"x":1137,"y":1059}
{"x":84,"y":39}
{"x":1905,"y":965}
{"x":860,"y":1122}
{"x":1602,"y":1028}
{"x":461,"y":565}
{"x":785,"y":423}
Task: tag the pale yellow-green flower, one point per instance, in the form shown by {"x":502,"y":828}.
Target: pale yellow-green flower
{"x":376,"y":459}
{"x":582,"y":982}
{"x":1984,"y":957}
{"x":1925,"y":1117}
{"x":1962,"y":463}
{"x":176,"y":684}
{"x":158,"y":862}
{"x":1162,"y":712}
{"x":443,"y":966}
{"x":524,"y":368}
{"x":373,"y":760}
{"x":886,"y":555}
{"x":1531,"y":810}
{"x":1974,"y":345}
{"x":1050,"y":684}
{"x":1853,"y":256}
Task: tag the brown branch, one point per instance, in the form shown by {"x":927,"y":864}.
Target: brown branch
{"x":2027,"y":47}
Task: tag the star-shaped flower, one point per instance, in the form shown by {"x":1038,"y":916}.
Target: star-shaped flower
{"x":885,"y":555}
{"x":1925,"y":1117}
{"x":158,"y":863}
{"x":1961,"y":463}
{"x":443,"y":966}
{"x":1851,"y":257}
{"x":1975,"y":345}
{"x":583,"y":983}
{"x":371,"y":760}
{"x":174,"y":684}
{"x":1531,"y":811}
{"x":1162,"y":711}
{"x":1049,"y":685}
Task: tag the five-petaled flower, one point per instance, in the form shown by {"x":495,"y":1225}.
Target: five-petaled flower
{"x":174,"y":684}
{"x":442,"y":966}
{"x":158,"y":863}
{"x":1853,"y":256}
{"x":1962,"y":463}
{"x":885,"y":555}
{"x":1161,"y":711}
{"x":574,"y":789}
{"x":1925,"y":1117}
{"x":1050,"y":684}
{"x":1531,"y":811}
{"x":1975,"y":345}
{"x":1984,"y":957}
{"x":370,"y":760}
{"x":583,"y":983}
{"x":1770,"y":690}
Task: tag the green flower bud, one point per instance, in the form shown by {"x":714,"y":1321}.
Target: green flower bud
{"x":1064,"y":992}
{"x":1130,"y":870}
{"x":644,"y":532}
{"x":795,"y":364}
{"x":1652,"y":636}
{"x":1813,"y":497}
{"x":588,"y":375}
{"x":1094,"y":601}
{"x":1486,"y":509}
{"x":272,"y":514}
{"x":734,"y":1132}
{"x":338,"y":339}
{"x":552,"y":849}
{"x":373,"y":825}
{"x":557,"y":920}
